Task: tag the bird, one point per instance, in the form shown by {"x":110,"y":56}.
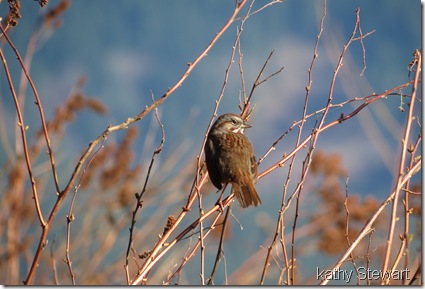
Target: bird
{"x":230,"y":158}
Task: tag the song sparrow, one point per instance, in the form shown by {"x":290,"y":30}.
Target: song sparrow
{"x":230,"y":158}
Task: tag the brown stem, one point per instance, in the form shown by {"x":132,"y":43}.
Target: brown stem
{"x":220,"y":250}
{"x":22,"y":127}
{"x":40,"y":109}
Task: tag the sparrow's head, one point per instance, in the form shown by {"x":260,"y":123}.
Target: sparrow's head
{"x":229,"y":122}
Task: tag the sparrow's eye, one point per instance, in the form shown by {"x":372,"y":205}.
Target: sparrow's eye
{"x":234,"y":121}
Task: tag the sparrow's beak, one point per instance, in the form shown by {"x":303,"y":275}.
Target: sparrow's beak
{"x":245,"y":125}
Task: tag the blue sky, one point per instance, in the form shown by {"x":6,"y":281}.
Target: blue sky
{"x":128,"y":49}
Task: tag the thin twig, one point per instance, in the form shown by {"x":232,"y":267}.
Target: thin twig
{"x":241,"y":73}
{"x":368,"y":256}
{"x":246,"y":103}
{"x":139,"y":202}
{"x":70,"y":217}
{"x":258,"y":82}
{"x":309,"y":155}
{"x":361,"y":40}
{"x":40,"y":109}
{"x":220,"y":250}
{"x":404,"y":142}
{"x":407,"y":211}
{"x":347,"y":222}
{"x":201,"y":239}
{"x":23,"y":129}
{"x":263,"y":7}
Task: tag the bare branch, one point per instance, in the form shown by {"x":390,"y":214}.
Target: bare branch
{"x":401,"y":170}
{"x":23,"y":129}
{"x":40,"y":109}
{"x":139,"y":201}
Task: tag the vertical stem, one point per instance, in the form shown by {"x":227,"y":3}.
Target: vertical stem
{"x":404,"y":141}
{"x":24,"y":139}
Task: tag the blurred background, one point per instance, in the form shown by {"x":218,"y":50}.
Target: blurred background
{"x":119,"y":54}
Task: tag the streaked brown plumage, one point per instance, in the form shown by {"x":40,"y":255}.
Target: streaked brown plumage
{"x":230,"y":159}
